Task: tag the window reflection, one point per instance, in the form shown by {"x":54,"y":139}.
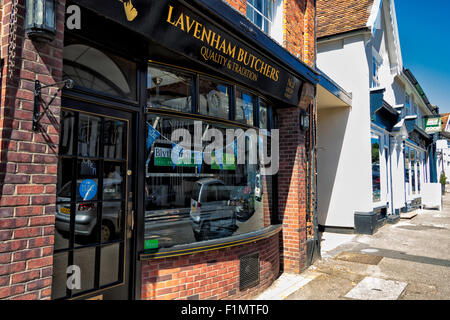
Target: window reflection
{"x":93,"y":69}
{"x":214,"y":99}
{"x":169,"y":89}
{"x":186,"y":203}
{"x":245,"y":103}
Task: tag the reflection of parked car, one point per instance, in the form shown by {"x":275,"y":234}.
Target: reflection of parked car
{"x":212,"y":214}
{"x":86,"y":212}
{"x":243,"y":201}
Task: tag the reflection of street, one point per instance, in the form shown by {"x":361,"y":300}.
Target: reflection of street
{"x":170,"y":233}
{"x":254,"y":223}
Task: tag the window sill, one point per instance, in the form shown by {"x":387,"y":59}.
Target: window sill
{"x":210,"y":245}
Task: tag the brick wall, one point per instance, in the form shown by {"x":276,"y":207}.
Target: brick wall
{"x":209,"y":275}
{"x":28,"y":163}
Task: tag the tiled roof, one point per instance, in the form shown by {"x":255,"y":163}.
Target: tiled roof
{"x":338,"y":16}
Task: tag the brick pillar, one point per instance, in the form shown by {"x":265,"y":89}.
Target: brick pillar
{"x":28,"y":170}
{"x":292,"y":191}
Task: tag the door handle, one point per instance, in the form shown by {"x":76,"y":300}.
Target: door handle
{"x":130,"y":224}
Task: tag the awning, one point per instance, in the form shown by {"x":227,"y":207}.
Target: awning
{"x":330,"y":94}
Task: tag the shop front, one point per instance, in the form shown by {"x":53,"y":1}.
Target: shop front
{"x":181,"y":166}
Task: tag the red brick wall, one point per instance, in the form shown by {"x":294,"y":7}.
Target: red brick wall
{"x":209,"y":275}
{"x":28,"y":164}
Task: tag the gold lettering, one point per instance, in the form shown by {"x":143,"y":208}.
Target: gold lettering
{"x":256,"y":65}
{"x":276,"y":74}
{"x":216,"y":40}
{"x":189,"y":27}
{"x":223,"y":46}
{"x":264,"y":68}
{"x":208,"y":37}
{"x":268,"y":71}
{"x":272,"y":73}
{"x":231,"y":51}
{"x":169,"y":17}
{"x":180,"y":22}
{"x":241,"y":55}
{"x":197,"y":30}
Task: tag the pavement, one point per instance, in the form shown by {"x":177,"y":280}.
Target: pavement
{"x":409,"y":260}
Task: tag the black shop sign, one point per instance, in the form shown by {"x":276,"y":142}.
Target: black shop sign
{"x":179,"y":28}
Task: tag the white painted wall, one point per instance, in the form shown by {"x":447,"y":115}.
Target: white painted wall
{"x":344,"y":159}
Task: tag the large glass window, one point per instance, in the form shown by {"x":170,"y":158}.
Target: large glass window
{"x":261,"y":13}
{"x":189,"y":200}
{"x":214,"y":98}
{"x":168,"y":89}
{"x":376,"y":176}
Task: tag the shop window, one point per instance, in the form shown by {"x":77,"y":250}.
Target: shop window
{"x":376,"y":176}
{"x":245,"y":104}
{"x":188,"y":200}
{"x":214,"y":99}
{"x":101,"y":72}
{"x":407,"y":170}
{"x":413,"y":170}
{"x":263,"y":115}
{"x":419,"y":168}
{"x":169,"y":89}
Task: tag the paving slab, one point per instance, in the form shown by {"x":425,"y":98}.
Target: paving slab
{"x":377,"y":289}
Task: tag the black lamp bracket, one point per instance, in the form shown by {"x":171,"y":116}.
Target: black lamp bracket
{"x":38,"y":101}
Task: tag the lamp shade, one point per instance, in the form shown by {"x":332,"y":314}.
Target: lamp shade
{"x":40,"y":21}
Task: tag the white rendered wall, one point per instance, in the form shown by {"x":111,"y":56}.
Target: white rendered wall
{"x":351,"y":191}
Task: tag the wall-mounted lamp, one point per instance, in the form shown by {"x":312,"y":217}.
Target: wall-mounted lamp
{"x":304,"y":120}
{"x":37,"y":115}
{"x":40,"y":20}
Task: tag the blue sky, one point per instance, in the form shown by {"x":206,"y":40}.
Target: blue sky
{"x":424,"y":39}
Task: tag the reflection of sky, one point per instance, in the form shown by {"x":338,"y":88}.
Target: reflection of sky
{"x":222,"y":88}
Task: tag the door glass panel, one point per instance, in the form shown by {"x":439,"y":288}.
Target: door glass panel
{"x":91,"y":197}
{"x":112,"y":221}
{"x":85,"y":260}
{"x":112,"y":181}
{"x":113,"y":139}
{"x":87,"y":182}
{"x":109,"y":266}
{"x":59,"y":277}
{"x":89,"y":129}
{"x":62,"y":226}
{"x":64,"y":184}
{"x":86,"y":232}
{"x":67,"y":123}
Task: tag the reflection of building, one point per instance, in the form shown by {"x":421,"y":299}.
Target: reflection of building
{"x":374,"y":154}
{"x":138,"y":228}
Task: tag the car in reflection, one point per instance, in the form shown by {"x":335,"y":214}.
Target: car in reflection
{"x":86,"y":212}
{"x":212,"y":213}
{"x":243,"y":200}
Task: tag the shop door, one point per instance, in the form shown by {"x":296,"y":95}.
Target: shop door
{"x":94,"y":211}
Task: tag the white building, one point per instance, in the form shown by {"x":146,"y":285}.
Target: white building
{"x":373,"y":157}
